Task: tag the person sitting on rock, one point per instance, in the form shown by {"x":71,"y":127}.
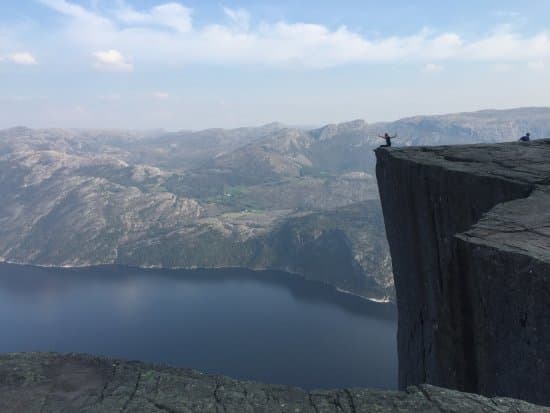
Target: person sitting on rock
{"x":388,"y":139}
{"x":525,"y":138}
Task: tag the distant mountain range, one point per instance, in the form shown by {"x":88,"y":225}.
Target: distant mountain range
{"x":304,"y":201}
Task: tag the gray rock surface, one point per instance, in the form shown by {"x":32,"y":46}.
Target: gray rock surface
{"x":46,"y":383}
{"x":469,"y":235}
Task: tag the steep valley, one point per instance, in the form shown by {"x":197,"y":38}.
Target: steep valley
{"x":303,"y":201}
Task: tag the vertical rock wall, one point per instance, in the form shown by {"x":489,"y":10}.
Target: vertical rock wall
{"x":462,"y":305}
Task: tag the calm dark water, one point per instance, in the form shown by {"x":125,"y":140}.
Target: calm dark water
{"x":266,"y":326}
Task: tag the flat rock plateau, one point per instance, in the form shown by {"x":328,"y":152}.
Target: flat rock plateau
{"x":40,"y":382}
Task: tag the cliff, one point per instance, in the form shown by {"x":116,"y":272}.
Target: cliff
{"x":469,"y":235}
{"x":79,"y":383}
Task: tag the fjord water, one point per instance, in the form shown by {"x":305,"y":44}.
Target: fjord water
{"x":266,"y":326}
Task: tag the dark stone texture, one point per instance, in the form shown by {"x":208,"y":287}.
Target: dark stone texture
{"x":45,"y":383}
{"x":469,"y":234}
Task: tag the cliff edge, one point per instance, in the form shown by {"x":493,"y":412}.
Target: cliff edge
{"x":47,"y":383}
{"x":469,"y":234}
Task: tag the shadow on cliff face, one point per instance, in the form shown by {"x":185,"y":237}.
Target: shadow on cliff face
{"x":320,"y":250}
{"x":325,"y":256}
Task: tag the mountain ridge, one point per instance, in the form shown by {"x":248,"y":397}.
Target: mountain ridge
{"x":218,"y":197}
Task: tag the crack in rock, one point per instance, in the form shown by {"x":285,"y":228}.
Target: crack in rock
{"x":351,"y":401}
{"x":163,"y":407}
{"x":107,"y":382}
{"x":429,"y":398}
{"x":219,"y":400}
{"x":312,"y":403}
{"x":133,"y":394}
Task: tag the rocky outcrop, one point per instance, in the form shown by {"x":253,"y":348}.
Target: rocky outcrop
{"x":79,"y":383}
{"x":469,"y":235}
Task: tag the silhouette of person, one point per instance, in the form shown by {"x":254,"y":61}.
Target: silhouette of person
{"x":525,"y":138}
{"x":388,"y":139}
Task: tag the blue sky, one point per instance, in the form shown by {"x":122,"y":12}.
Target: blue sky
{"x":198,"y":64}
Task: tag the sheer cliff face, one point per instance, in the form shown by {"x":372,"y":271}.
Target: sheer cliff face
{"x":469,"y":234}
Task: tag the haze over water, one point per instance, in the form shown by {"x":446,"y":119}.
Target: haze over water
{"x":267,"y":326}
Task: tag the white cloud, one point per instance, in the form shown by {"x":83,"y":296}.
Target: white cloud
{"x":21,"y":58}
{"x":537,"y":66}
{"x":240,"y":18}
{"x":169,"y":15}
{"x":70,"y":9}
{"x":164,"y":35}
{"x":173,"y":15}
{"x":112,"y":60}
{"x":67,"y":8}
{"x":161,"y":95}
{"x":433,"y":67}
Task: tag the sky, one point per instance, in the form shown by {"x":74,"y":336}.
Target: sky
{"x":149,"y":64}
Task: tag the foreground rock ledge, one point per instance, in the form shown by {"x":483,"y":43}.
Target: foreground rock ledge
{"x":469,"y":234}
{"x":38,"y":382}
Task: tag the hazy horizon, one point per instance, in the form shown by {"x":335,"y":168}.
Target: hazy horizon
{"x":292,"y":126}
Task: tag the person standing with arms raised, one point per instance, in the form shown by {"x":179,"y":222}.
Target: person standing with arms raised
{"x":388,"y":139}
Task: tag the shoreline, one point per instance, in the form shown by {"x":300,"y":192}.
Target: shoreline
{"x":385,"y":300}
